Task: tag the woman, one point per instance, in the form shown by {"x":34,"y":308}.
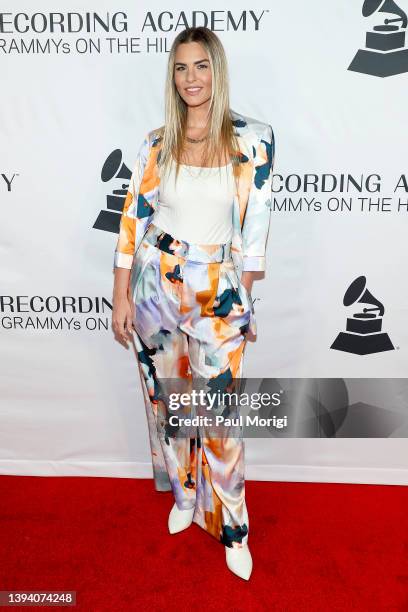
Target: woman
{"x":192,"y":234}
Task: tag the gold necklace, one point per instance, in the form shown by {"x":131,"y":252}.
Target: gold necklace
{"x":196,"y":140}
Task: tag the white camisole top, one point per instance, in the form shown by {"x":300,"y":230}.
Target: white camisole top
{"x":198,"y":207}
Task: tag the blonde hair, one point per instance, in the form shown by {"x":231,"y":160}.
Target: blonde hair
{"x":221,"y":138}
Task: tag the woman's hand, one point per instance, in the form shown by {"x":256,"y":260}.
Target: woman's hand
{"x":122,"y":318}
{"x":247,"y":280}
{"x":122,"y":321}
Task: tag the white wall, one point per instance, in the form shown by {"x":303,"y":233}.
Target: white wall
{"x":70,"y":398}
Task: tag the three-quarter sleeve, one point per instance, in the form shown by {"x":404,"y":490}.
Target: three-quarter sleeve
{"x":125,"y":246}
{"x":257,"y":216}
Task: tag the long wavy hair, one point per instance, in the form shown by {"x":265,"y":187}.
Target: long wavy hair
{"x":221,"y":138}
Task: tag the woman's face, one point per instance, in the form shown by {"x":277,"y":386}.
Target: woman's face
{"x":192,"y":73}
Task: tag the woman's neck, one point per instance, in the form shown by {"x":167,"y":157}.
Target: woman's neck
{"x":197,"y":118}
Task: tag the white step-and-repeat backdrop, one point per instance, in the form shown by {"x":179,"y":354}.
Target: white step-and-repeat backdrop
{"x":81,"y":85}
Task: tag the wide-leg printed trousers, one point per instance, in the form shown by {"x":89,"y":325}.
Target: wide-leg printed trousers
{"x":190,"y":316}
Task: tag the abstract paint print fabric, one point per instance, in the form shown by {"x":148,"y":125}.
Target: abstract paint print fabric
{"x":190,"y":316}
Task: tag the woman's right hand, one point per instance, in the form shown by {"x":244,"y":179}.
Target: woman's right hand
{"x":122,"y":319}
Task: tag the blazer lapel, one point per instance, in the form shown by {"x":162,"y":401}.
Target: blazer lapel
{"x":149,"y":190}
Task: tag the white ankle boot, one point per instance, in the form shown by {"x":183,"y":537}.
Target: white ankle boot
{"x":239,"y":561}
{"x":180,"y":519}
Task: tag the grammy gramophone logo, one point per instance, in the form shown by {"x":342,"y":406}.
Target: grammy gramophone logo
{"x":363,"y":333}
{"x":385,"y":53}
{"x":113,"y":168}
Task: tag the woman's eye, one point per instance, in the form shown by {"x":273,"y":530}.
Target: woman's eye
{"x":178,"y":68}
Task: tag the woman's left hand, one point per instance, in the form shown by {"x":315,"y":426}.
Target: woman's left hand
{"x":247,"y":280}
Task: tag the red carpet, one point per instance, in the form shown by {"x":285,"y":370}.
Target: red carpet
{"x":315,"y":547}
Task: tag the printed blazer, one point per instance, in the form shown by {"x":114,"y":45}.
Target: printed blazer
{"x":252,"y":201}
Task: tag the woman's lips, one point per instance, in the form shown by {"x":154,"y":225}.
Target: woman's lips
{"x":194,"y":91}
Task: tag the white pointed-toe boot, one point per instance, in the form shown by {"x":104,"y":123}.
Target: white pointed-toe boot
{"x":180,"y":519}
{"x":239,"y":561}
